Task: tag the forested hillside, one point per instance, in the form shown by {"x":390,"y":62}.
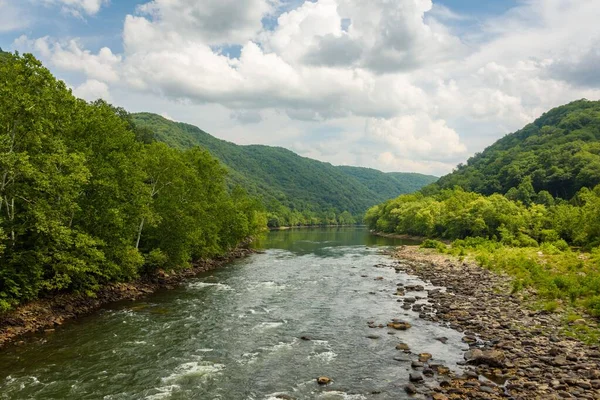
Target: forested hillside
{"x":519,"y":207}
{"x":559,"y":152}
{"x":538,"y":183}
{"x":87,"y":199}
{"x":388,"y":184}
{"x":296,"y":190}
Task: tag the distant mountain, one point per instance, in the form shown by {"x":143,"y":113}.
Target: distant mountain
{"x":283,"y":178}
{"x":559,"y":153}
{"x":388,"y":184}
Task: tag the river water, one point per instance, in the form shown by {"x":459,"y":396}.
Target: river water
{"x":234,"y":333}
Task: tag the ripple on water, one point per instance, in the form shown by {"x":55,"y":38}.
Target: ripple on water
{"x":269,"y":325}
{"x":203,"y":285}
{"x":337,"y":395}
{"x":271,"y":285}
{"x":280,"y":346}
{"x":194,"y":370}
{"x":325,"y":357}
{"x":163,"y":392}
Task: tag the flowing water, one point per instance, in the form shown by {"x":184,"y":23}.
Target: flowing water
{"x":234,"y":333}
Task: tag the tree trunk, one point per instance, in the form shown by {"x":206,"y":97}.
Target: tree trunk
{"x":139,"y":237}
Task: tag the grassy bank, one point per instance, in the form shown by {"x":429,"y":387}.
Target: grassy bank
{"x":552,"y":278}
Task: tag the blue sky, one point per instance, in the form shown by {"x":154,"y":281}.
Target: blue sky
{"x":411,"y":85}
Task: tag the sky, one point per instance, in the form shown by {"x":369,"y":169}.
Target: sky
{"x":396,"y":85}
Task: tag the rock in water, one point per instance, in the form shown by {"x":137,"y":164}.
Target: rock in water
{"x":410,"y":389}
{"x":401,"y":326}
{"x":416,"y":377}
{"x":323,"y":380}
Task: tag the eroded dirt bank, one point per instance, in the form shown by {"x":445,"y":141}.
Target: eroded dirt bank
{"x":45,"y":315}
{"x":513,"y":352}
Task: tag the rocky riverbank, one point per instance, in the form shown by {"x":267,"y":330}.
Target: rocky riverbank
{"x":511,"y":351}
{"x":46,"y":315}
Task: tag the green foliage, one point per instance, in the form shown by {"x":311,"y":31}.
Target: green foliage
{"x":557,"y":276}
{"x":517,"y":208}
{"x":295,"y":190}
{"x":528,"y":242}
{"x":456,"y":214}
{"x":88,"y":198}
{"x":433,"y":244}
{"x":559,"y":153}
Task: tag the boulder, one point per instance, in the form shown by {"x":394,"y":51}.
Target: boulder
{"x":402,"y":346}
{"x":323,"y":380}
{"x":492,"y":358}
{"x":401,"y":326}
{"x":410,"y":389}
{"x":416,"y":377}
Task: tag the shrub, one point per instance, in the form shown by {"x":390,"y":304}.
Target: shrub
{"x":593,"y":305}
{"x":434,"y":244}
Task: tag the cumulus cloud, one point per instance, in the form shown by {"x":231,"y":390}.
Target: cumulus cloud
{"x":382,"y":36}
{"x":69,"y":56}
{"x":404,"y":89}
{"x":210,"y":21}
{"x":92,"y":90}
{"x":581,"y":69}
{"x":78,"y":7}
{"x":417,"y":135}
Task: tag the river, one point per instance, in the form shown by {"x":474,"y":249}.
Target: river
{"x":235,"y":333}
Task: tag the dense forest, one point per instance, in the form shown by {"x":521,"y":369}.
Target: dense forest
{"x":559,"y":152}
{"x":86,"y":198}
{"x":527,"y":220}
{"x":520,"y":207}
{"x":295,"y":190}
{"x":538,"y":183}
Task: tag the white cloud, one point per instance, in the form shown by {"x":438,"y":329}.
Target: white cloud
{"x":78,"y":7}
{"x":177,"y":67}
{"x":69,"y":56}
{"x":167,"y":116}
{"x":382,"y":36}
{"x":92,"y":90}
{"x":417,"y":135}
{"x":397,"y":86}
{"x":209,"y":21}
{"x":12,"y":18}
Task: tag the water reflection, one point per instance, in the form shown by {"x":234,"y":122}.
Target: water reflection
{"x":314,"y":240}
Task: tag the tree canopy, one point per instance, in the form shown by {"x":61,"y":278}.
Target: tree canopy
{"x":87,"y":198}
{"x":558,"y":153}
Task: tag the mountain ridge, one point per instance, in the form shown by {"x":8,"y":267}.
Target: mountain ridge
{"x":286,"y":181}
{"x":558,"y":153}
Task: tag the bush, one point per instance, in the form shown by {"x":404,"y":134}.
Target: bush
{"x":593,"y":306}
{"x":154,"y":261}
{"x":561,"y":245}
{"x":526,"y":241}
{"x":549,"y":235}
{"x":434,"y":244}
